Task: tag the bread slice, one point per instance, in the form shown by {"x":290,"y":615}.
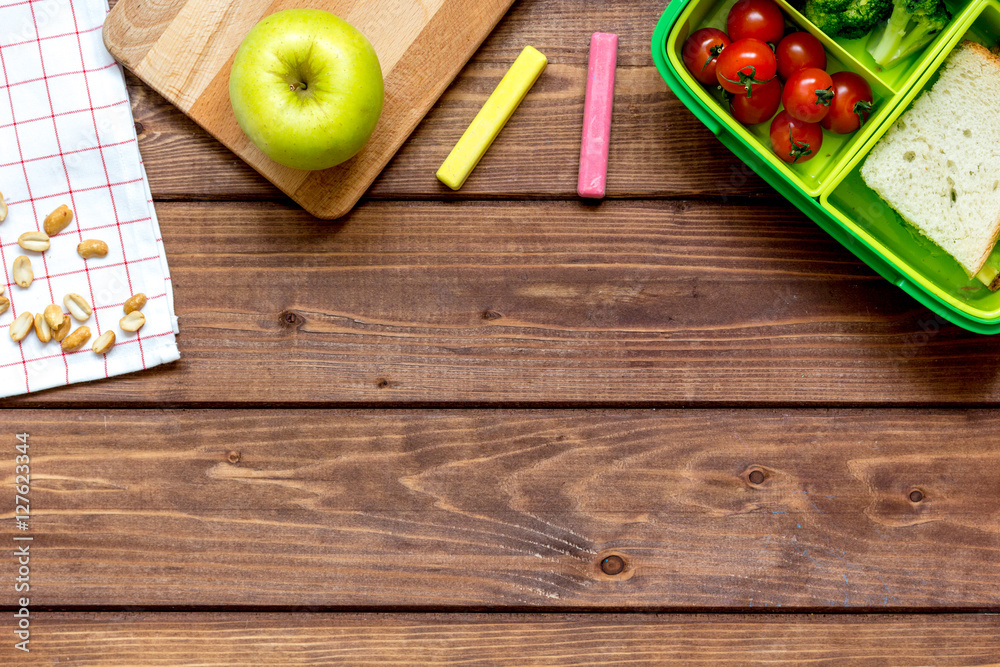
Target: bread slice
{"x":938,"y":166}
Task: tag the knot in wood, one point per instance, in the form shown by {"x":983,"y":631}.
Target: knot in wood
{"x":613,"y":565}
{"x":916,"y":495}
{"x":291,"y":319}
{"x":233,"y":457}
{"x":756,"y":477}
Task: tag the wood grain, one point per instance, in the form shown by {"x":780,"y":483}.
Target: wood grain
{"x":628,"y":303}
{"x":512,"y":509}
{"x":421,"y":45}
{"x":732,"y":300}
{"x":659,"y":149}
{"x":503,"y":640}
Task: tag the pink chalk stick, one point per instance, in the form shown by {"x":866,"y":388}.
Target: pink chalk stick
{"x":597,"y":115}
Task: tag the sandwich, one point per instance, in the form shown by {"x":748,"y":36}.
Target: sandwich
{"x":938,"y":166}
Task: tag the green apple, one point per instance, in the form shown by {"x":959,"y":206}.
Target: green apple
{"x":306,"y":87}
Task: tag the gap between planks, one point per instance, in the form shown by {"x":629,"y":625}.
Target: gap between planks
{"x":505,"y":640}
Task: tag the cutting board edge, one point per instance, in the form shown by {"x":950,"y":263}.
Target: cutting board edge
{"x":347,"y":207}
{"x":318,"y":212}
{"x":324,"y":209}
{"x":109,"y":45}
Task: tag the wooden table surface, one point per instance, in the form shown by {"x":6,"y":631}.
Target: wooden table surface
{"x":414,"y":435}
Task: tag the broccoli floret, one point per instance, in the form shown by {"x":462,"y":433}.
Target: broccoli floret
{"x":911,"y":26}
{"x":862,"y":16}
{"x":849,"y":19}
{"x":825,"y":15}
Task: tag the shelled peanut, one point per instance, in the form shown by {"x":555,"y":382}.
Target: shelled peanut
{"x":53,"y":323}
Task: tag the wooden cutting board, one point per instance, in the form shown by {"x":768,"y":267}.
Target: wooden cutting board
{"x":184,"y":49}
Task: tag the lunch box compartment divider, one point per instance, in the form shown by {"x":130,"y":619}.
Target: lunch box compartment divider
{"x":828,"y":188}
{"x":837,"y":149}
{"x":903,"y":75}
{"x":864,"y":213}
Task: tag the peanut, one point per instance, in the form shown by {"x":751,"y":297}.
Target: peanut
{"x":20,"y":327}
{"x":133,"y":321}
{"x":3,"y":209}
{"x":92,"y":248}
{"x":4,"y":304}
{"x":34,"y":241}
{"x":60,"y":332}
{"x":58,"y":220}
{"x":135,"y":302}
{"x":23,"y":275}
{"x":42,"y":328}
{"x":53,"y":315}
{"x":76,"y":339}
{"x":105,"y":342}
{"x":78,"y":307}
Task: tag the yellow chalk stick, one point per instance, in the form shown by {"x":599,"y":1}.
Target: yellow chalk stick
{"x":491,"y":118}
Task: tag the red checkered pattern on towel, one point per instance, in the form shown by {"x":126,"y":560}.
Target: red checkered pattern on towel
{"x":67,"y":137}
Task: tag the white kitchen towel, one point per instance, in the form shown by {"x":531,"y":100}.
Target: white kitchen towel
{"x":67,"y":137}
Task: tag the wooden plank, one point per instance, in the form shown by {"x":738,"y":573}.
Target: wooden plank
{"x":185,"y":162}
{"x":659,"y":149}
{"x":512,"y":510}
{"x":184,"y":49}
{"x":215,"y":639}
{"x":627,"y":304}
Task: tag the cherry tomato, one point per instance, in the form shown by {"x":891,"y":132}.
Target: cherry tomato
{"x":799,"y":50}
{"x":758,"y":107}
{"x":700,"y":52}
{"x":808,"y":94}
{"x":760,"y":19}
{"x":793,"y":140}
{"x":852,"y":103}
{"x":745,"y":65}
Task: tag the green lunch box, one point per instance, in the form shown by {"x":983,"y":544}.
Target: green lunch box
{"x":829,"y":188}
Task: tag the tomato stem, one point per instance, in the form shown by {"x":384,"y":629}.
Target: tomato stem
{"x":713,"y":52}
{"x":824,"y":96}
{"x":863,"y":108}
{"x":748,"y":80}
{"x":798,"y":149}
